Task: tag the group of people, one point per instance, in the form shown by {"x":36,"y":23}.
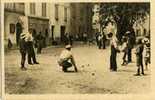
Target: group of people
{"x":39,"y":42}
{"x":66,"y":60}
{"x":68,"y":39}
{"x":26,"y":46}
{"x":142,"y":44}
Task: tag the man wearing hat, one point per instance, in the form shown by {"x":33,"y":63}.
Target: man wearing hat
{"x":66,"y":59}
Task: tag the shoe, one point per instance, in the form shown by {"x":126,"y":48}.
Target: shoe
{"x":23,"y":68}
{"x":136,"y":74}
{"x":123,"y":64}
{"x":36,"y":63}
{"x":143,"y":74}
{"x":30,"y":63}
{"x":64,"y":69}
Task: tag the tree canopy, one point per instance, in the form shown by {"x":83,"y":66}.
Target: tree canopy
{"x":123,"y":15}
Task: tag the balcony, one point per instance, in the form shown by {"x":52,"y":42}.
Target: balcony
{"x":15,"y":7}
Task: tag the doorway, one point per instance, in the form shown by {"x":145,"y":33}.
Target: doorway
{"x":62,"y":35}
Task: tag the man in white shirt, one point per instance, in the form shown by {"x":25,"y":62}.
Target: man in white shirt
{"x":30,"y":49}
{"x":66,"y":59}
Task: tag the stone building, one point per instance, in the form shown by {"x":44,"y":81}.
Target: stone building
{"x":12,"y":27}
{"x":53,"y":20}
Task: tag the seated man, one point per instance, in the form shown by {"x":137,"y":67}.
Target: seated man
{"x":66,"y":59}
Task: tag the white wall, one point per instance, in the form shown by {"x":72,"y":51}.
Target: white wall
{"x":8,"y":19}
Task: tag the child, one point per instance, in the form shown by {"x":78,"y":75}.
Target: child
{"x":139,"y":57}
{"x":125,"y":50}
{"x":147,"y":54}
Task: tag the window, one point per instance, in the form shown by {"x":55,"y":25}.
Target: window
{"x":32,"y":8}
{"x":65,"y":14}
{"x":10,"y":6}
{"x":56,"y":12}
{"x":74,"y":12}
{"x":44,"y":9}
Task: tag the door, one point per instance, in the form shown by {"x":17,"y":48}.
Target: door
{"x":62,"y":35}
{"x":52,"y":30}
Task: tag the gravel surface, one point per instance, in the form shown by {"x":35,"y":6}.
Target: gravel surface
{"x":93,"y":76}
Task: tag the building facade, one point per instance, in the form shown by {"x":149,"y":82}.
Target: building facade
{"x":11,"y":26}
{"x":53,"y":20}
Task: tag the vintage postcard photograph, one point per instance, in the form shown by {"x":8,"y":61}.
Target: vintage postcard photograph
{"x":77,"y":48}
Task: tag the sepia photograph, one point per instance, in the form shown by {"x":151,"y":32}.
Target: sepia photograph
{"x":77,"y":48}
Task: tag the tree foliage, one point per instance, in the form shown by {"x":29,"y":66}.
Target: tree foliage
{"x":123,"y":15}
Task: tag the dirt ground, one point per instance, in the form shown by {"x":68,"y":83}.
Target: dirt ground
{"x":93,"y":76}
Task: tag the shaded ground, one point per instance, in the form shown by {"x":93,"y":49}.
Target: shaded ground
{"x":93,"y":76}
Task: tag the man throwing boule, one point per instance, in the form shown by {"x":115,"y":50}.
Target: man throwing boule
{"x":66,"y":59}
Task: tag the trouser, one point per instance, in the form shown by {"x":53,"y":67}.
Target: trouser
{"x":124,"y":57}
{"x":23,"y":58}
{"x":129,"y":55}
{"x":140,"y":65}
{"x":66,"y":65}
{"x":31,"y":53}
{"x":113,"y":63}
{"x":99,"y":44}
{"x":103,"y":43}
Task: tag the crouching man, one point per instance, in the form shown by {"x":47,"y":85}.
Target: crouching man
{"x":66,"y":59}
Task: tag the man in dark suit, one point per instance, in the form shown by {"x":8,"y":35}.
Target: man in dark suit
{"x":23,"y":50}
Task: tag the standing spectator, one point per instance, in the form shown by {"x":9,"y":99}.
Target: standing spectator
{"x":44,"y":41}
{"x":39,"y":39}
{"x":96,"y":36}
{"x":114,"y":50}
{"x":23,"y":50}
{"x":65,"y":56}
{"x":70,"y":39}
{"x":130,"y":44}
{"x":99,"y":41}
{"x":66,"y":39}
{"x":77,"y":37}
{"x":124,"y":50}
{"x":139,"y":56}
{"x":85,"y":37}
{"x":30,"y":49}
{"x":147,"y":52}
{"x":104,"y":41}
